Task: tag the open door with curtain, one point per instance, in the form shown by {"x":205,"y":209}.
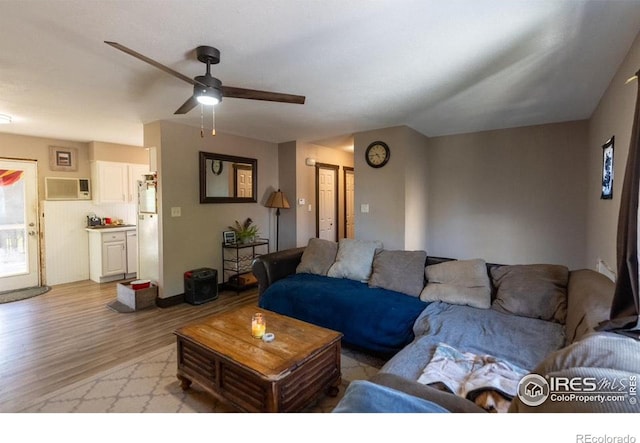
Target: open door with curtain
{"x":19,"y":240}
{"x":625,"y":308}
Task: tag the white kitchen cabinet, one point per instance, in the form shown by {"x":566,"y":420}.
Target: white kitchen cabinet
{"x":109,"y":182}
{"x":116,"y":182}
{"x":108,"y":254}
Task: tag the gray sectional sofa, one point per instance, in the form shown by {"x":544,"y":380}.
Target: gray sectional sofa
{"x":523,"y":319}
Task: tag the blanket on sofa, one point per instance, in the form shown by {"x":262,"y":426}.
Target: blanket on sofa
{"x":464,"y":373}
{"x":522,"y":341}
{"x":363,"y":396}
{"x":370,"y":318}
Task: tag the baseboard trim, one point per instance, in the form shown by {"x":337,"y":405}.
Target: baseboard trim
{"x":168,"y":302}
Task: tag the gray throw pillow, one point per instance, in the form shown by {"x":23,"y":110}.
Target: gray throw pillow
{"x":400,"y":271}
{"x":536,"y":291}
{"x":458,"y":282}
{"x":317,"y":257}
{"x":354,"y":259}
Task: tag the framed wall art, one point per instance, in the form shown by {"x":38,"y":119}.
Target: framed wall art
{"x":607,"y":170}
{"x":229,"y":237}
{"x":63,"y":159}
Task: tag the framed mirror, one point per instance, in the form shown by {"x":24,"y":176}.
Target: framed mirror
{"x":227,"y":178}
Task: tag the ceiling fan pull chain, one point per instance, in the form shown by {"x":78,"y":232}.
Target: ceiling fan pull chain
{"x":201,"y":121}
{"x":213,"y":118}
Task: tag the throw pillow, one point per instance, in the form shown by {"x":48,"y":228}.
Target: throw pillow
{"x":354,"y":259}
{"x":536,"y":291}
{"x":458,"y":282}
{"x":400,"y":271}
{"x":317,"y":257}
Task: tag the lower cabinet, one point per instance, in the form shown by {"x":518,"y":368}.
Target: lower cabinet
{"x":108,"y":256}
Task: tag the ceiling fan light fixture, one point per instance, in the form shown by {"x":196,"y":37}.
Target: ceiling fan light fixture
{"x":207,"y":100}
{"x":209,"y":96}
{"x":208,"y":90}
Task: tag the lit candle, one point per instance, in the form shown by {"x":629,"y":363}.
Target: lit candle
{"x":258,"y":325}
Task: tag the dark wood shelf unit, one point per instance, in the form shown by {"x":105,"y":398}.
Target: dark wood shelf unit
{"x":237,"y":259}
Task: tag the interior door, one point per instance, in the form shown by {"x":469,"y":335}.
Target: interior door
{"x":19,"y":233}
{"x":349,"y":203}
{"x":244,"y":181}
{"x":327,"y":203}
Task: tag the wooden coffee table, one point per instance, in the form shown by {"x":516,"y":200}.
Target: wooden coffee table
{"x":285,"y":375}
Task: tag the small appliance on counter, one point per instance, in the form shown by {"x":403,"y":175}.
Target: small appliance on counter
{"x":93,"y":220}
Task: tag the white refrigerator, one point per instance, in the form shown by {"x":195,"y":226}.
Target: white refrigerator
{"x":148,"y":232}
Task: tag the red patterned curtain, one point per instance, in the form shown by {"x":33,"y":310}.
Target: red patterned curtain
{"x":625,"y":309}
{"x":8,"y":177}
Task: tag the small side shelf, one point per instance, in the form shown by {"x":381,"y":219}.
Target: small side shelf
{"x":237,"y":259}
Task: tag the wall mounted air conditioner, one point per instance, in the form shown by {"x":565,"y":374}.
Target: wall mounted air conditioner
{"x":58,"y":188}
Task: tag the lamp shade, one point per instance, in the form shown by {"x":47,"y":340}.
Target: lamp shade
{"x":277,"y":199}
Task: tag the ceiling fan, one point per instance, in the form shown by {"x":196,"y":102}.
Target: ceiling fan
{"x":207,"y":89}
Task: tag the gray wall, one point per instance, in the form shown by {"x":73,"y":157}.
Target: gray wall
{"x":297,"y":180}
{"x":194,"y":239}
{"x":510,"y":196}
{"x":612,"y":117}
{"x":390,"y":191}
{"x":416,"y":198}
{"x":306,"y":187}
{"x":287,"y":183}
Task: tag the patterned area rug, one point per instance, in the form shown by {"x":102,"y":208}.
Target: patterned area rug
{"x":21,"y":294}
{"x":149,"y":384}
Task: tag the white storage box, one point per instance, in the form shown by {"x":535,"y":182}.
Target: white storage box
{"x":137,"y":299}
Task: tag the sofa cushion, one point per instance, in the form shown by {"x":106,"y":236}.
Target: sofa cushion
{"x":536,"y":291}
{"x":318,"y":257}
{"x":595,"y":350}
{"x":589,"y":297}
{"x":605,"y":356}
{"x":459,"y":282}
{"x":400,"y":271}
{"x":354,"y":259}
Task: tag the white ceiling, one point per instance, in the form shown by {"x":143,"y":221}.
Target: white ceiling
{"x":440,"y":67}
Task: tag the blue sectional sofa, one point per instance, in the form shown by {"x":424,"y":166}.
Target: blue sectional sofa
{"x":549,"y":335}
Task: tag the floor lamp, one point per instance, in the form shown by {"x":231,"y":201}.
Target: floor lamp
{"x":277,"y":200}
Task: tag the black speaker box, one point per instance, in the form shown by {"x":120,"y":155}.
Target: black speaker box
{"x":200,"y":286}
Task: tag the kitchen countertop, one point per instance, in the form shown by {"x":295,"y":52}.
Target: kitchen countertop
{"x":112,"y":228}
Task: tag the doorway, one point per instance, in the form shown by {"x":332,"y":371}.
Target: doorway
{"x":349,"y":203}
{"x":19,"y":233}
{"x":243,"y":182}
{"x":326,"y":201}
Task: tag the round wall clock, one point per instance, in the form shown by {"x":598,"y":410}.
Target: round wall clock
{"x":216,"y":167}
{"x":377,"y":154}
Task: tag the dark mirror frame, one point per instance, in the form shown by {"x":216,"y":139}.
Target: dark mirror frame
{"x":204,"y":156}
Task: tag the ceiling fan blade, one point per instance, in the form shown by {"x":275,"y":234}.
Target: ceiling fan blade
{"x":152,"y":62}
{"x":253,"y":94}
{"x":187,"y":106}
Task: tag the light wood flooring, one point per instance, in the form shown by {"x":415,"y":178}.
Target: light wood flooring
{"x":61,"y":337}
